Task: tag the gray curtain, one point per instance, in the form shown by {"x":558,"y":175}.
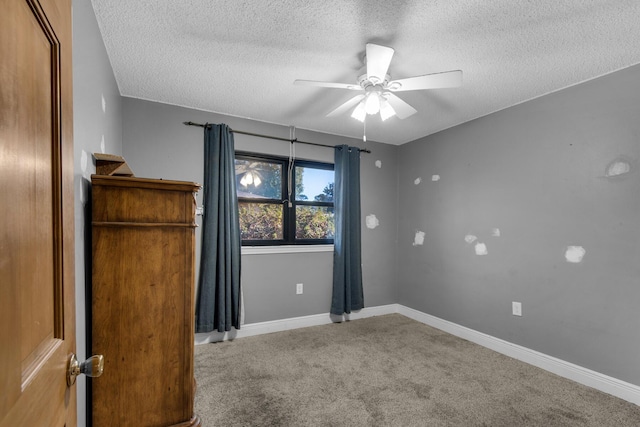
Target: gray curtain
{"x":218,"y":302}
{"x":347,"y":259}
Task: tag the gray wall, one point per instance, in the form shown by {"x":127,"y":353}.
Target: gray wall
{"x":157,"y":145}
{"x":538,"y":173}
{"x":96,"y":129}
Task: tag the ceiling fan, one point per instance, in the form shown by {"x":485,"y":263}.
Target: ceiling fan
{"x":378,"y":88}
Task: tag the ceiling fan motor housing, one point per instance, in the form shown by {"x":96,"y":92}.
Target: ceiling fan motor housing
{"x":365,"y":82}
{"x":385,"y":84}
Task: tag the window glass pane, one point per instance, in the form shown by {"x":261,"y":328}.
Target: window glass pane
{"x":260,"y":221}
{"x":314,"y":222}
{"x":258,"y":179}
{"x":314,"y":184}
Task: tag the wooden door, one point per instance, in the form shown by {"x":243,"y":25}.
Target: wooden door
{"x":37,"y":313}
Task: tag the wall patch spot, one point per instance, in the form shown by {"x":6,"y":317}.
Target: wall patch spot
{"x":84,"y":159}
{"x":104,"y":104}
{"x":470,"y":238}
{"x":417,"y":181}
{"x":495,"y":232}
{"x":574,"y":254}
{"x":419,"y":238}
{"x":371,"y":221}
{"x":435,"y":178}
{"x":618,"y":167}
{"x":379,"y":164}
{"x":81,"y":191}
{"x":481,"y":249}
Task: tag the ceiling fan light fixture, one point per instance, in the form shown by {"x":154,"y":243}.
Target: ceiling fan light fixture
{"x":372,"y":105}
{"x":386,"y":110}
{"x":359,"y":113}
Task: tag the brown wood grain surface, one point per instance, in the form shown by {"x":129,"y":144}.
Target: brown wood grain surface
{"x":142,"y":301}
{"x":37,"y":299}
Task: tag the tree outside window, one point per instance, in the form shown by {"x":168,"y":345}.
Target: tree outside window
{"x":267,"y":217}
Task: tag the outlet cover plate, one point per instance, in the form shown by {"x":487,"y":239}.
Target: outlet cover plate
{"x":299,"y":288}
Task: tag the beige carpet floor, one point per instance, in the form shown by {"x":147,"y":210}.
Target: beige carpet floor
{"x":386,"y":371}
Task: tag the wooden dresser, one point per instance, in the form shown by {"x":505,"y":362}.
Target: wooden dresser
{"x":142,"y":311}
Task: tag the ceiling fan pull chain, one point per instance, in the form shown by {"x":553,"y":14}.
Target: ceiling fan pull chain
{"x":364,"y":129}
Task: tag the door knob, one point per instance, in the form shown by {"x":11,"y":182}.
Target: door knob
{"x":92,"y":367}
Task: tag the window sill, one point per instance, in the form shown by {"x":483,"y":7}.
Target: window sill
{"x":286,"y":249}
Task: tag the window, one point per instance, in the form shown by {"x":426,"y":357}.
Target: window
{"x":268,"y":217}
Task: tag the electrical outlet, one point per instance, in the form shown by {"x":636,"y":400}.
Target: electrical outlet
{"x":299,"y":288}
{"x":516,"y":308}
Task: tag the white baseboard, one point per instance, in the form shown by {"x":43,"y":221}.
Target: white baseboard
{"x":604,"y":383}
{"x":252,"y":329}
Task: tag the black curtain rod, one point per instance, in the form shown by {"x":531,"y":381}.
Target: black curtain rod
{"x":362,"y":150}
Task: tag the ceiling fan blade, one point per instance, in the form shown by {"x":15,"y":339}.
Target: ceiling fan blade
{"x":327,"y":84}
{"x":344,"y":107}
{"x":378,"y":60}
{"x":402,"y":109}
{"x":428,"y":81}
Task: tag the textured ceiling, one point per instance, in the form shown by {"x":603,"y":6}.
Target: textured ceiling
{"x":240,"y":58}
